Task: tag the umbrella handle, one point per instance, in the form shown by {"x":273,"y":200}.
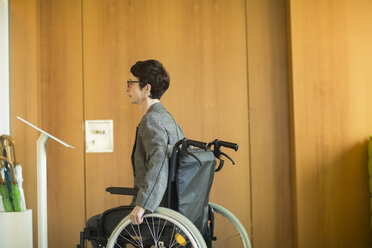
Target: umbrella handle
{"x":11,"y":142}
{"x":3,"y":159}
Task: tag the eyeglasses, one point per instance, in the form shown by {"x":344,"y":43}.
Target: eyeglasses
{"x":130,"y":82}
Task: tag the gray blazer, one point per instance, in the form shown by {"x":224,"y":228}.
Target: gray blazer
{"x":156,"y":134}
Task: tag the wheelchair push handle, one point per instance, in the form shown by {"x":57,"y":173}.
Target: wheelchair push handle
{"x":230,"y":145}
{"x":218,"y":143}
{"x":199,"y":144}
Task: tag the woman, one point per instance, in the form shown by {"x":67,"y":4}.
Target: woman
{"x":155,"y":136}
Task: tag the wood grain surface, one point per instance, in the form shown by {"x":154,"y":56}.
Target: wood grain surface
{"x":331,"y":60}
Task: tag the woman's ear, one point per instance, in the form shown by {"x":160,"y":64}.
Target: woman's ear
{"x":148,"y":89}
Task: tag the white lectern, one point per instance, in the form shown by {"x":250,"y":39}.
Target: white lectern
{"x":42,"y":183}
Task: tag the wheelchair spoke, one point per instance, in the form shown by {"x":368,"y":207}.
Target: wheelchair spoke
{"x":140,"y":235}
{"x":157,"y":233}
{"x":183,"y":245}
{"x":175,"y":240}
{"x":130,"y":235}
{"x":135,"y":234}
{"x":223,"y":242}
{"x":165,"y":223}
{"x":152,"y":233}
{"x":170,"y":241}
{"x":155,"y":237}
{"x":116,"y":243}
{"x":135,"y":244}
{"x":179,"y":245}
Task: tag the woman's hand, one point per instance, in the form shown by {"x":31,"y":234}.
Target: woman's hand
{"x":136,"y":216}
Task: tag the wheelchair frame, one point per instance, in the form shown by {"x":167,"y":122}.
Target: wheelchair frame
{"x":186,"y":232}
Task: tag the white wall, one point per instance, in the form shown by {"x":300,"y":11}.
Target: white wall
{"x":4,"y":68}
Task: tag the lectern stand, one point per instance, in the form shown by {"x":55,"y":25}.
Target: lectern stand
{"x":42,"y":183}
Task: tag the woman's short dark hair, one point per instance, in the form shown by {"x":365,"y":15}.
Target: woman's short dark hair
{"x":151,"y":72}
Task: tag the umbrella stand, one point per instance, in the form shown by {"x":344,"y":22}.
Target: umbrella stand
{"x":42,"y":183}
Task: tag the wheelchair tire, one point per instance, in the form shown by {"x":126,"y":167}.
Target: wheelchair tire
{"x":163,"y":228}
{"x":228,"y":229}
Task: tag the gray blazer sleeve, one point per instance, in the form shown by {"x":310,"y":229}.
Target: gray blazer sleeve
{"x":154,"y":138}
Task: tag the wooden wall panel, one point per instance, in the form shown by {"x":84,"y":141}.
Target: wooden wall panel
{"x":62,"y":115}
{"x":332,"y":120}
{"x":269,"y":118}
{"x":203,"y":46}
{"x":25,"y":95}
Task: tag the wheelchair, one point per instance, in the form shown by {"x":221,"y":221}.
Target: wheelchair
{"x":188,"y":218}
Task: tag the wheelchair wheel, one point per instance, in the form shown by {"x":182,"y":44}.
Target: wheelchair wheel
{"x":163,"y":228}
{"x":228,"y":230}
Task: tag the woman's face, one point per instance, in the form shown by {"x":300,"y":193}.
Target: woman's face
{"x":135,"y":93}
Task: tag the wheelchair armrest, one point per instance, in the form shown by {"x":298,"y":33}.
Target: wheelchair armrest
{"x":122,"y":191}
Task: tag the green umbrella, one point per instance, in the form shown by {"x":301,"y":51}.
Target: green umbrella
{"x":8,"y":206}
{"x":9,"y":161}
{"x":16,"y":198}
{"x":14,"y":194}
{"x":4,"y":192}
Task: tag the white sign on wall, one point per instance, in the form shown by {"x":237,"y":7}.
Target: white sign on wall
{"x":99,"y":135}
